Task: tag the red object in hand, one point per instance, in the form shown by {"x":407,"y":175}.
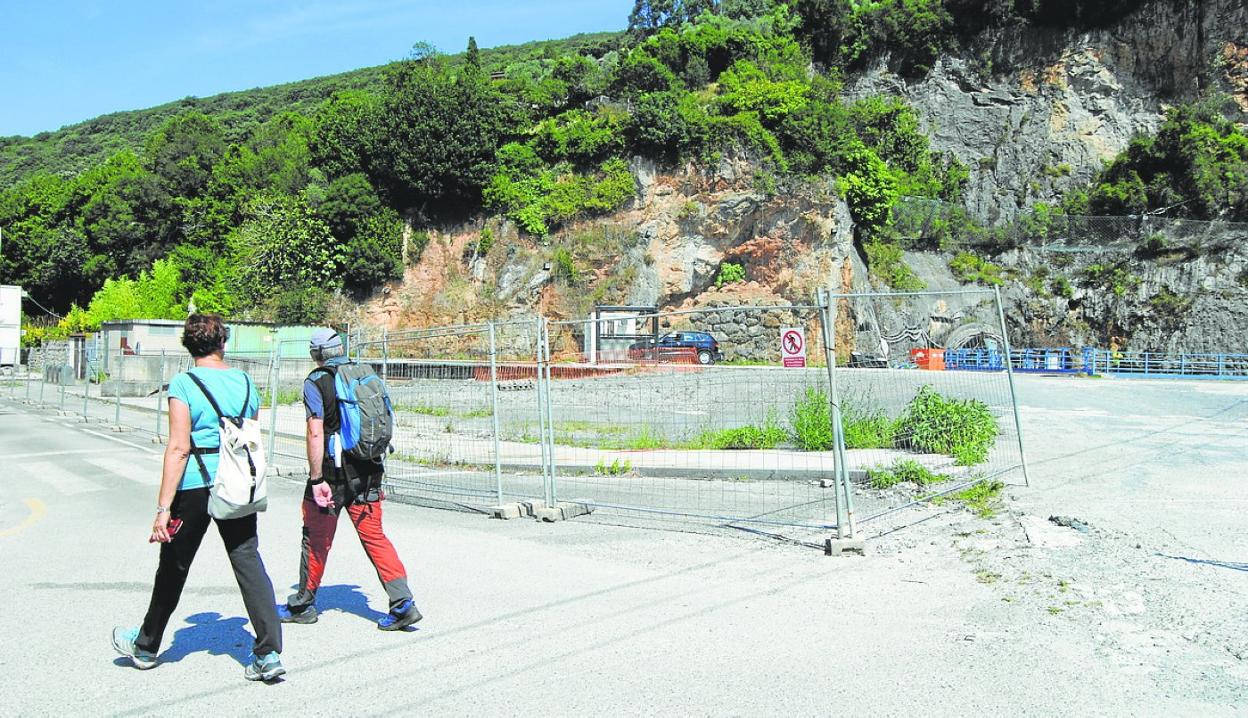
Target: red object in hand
{"x":172,"y":528}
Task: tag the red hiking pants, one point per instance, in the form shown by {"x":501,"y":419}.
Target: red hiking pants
{"x":319,"y":526}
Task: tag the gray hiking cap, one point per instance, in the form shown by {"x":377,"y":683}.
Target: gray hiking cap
{"x":325,"y":339}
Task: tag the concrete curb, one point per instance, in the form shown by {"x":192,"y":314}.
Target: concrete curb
{"x":844,"y":547}
{"x":561,"y":511}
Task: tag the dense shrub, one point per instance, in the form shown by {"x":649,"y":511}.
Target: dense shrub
{"x":540,"y":197}
{"x":973,"y":269}
{"x":729,"y":273}
{"x":847,"y":33}
{"x":885,"y":262}
{"x":962,"y":428}
{"x":300,"y":305}
{"x":1196,"y":165}
{"x":580,"y":137}
{"x":869,"y":187}
{"x":374,"y":255}
{"x":812,"y":422}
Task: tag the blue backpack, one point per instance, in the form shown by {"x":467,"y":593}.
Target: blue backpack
{"x":366,"y":415}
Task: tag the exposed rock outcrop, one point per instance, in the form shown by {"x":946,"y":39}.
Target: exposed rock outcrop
{"x":1041,"y":110}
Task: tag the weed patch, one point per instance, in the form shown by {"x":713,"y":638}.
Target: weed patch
{"x":867,"y":429}
{"x":647,"y":438}
{"x":812,"y":422}
{"x":768,"y":436}
{"x":902,"y":471}
{"x":285,"y":397}
{"x":982,"y":498}
{"x":422,"y":409}
{"x":615,"y":468}
{"x":962,"y":428}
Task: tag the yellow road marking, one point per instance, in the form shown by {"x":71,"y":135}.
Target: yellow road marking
{"x":37,"y":511}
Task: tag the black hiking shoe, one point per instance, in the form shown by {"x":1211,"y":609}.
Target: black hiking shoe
{"x":307,"y":615}
{"x":400,"y":617}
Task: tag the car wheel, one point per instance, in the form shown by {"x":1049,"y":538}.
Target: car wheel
{"x":704,"y":358}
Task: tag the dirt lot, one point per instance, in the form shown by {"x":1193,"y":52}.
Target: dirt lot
{"x":1153,"y":582}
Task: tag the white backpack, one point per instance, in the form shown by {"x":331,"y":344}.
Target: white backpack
{"x":239,"y":488}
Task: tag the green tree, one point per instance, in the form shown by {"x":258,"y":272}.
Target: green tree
{"x":667,"y":125}
{"x":374,"y":255}
{"x":438,"y":135}
{"x":1196,"y":165}
{"x":649,"y":15}
{"x":208,"y":277}
{"x":349,"y":202}
{"x":345,"y":133}
{"x":869,"y":187}
{"x":183,"y":151}
{"x":156,"y":294}
{"x":283,"y":245}
{"x":640,"y":72}
{"x":848,"y":33}
{"x":127,"y":217}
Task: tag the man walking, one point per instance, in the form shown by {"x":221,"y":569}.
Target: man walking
{"x":336,"y":480}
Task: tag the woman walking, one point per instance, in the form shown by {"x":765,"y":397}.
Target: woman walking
{"x":182,"y":515}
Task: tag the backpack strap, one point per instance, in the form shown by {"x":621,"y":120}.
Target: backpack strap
{"x":196,"y":451}
{"x":199,"y":383}
{"x":215,"y":407}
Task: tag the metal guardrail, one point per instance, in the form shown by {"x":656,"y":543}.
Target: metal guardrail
{"x":1027,"y":361}
{"x":1102,"y":362}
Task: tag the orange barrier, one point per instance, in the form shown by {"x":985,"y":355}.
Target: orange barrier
{"x":930,"y":359}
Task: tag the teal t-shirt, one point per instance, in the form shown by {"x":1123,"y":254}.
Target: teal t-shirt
{"x":230,"y":388}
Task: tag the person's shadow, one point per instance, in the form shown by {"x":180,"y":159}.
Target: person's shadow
{"x":348,"y":599}
{"x":213,"y":634}
{"x":216,"y":635}
{"x":209,"y":633}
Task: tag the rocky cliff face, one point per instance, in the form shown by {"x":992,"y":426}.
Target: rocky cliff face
{"x":1039,"y":111}
{"x":1188,"y":297}
{"x":1034,"y":114}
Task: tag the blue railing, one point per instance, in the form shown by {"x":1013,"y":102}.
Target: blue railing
{"x":1102,"y":362}
{"x":1031,"y":361}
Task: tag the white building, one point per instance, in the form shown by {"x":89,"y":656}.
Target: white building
{"x":10,"y":325}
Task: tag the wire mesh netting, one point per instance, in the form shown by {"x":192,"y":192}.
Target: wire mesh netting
{"x":920,"y":421}
{"x":723,"y":417}
{"x":922,"y":221}
{"x":697,"y":424}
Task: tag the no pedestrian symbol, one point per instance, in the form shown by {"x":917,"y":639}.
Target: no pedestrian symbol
{"x":793,"y":348}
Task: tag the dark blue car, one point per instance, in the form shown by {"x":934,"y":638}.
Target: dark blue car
{"x":678,"y":346}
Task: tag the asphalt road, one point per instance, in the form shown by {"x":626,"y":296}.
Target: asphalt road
{"x":525,"y":618}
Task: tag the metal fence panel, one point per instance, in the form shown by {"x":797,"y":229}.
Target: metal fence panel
{"x":661,"y":430}
{"x":444,"y":442}
{"x":915,"y":427}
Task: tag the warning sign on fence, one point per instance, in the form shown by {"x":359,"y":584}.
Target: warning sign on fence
{"x":793,"y":348}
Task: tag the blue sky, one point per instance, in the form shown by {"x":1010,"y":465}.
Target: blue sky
{"x":64,"y":61}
